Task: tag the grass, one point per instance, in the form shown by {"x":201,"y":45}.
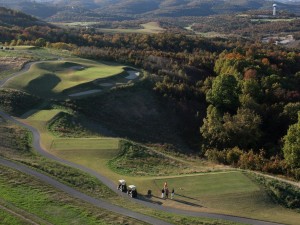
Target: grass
{"x":85,"y":144}
{"x":8,"y":218}
{"x":210,"y":184}
{"x":53,"y":78}
{"x":148,"y":28}
{"x":34,"y":53}
{"x":17,"y":102}
{"x":45,"y":115}
{"x":136,"y":160}
{"x":50,"y":205}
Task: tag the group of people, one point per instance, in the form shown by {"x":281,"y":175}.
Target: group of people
{"x":165,"y":192}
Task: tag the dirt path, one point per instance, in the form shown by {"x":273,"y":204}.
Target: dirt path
{"x":37,"y":146}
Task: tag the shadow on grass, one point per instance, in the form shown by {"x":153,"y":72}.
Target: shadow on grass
{"x":157,"y":200}
{"x":187,"y":203}
{"x":186,"y":197}
{"x":151,"y":199}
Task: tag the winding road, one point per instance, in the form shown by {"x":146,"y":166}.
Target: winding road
{"x":101,"y":203}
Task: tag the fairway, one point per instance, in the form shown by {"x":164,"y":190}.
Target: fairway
{"x":50,"y":79}
{"x":84,"y":143}
{"x":45,"y":115}
{"x":211,"y":184}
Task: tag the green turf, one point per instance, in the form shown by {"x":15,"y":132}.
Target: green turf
{"x":50,"y":79}
{"x":85,"y":143}
{"x":45,"y":115}
{"x":211,"y":184}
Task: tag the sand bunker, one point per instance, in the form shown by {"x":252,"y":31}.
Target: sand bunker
{"x":106,"y":84}
{"x":77,"y":67}
{"x":132,"y":75}
{"x":85,"y":93}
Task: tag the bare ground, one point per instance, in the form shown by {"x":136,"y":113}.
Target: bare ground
{"x":11,"y":63}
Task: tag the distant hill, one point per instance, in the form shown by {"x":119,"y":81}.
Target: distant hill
{"x":10,"y":18}
{"x":97,"y":9}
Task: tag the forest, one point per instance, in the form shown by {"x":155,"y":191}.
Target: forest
{"x":239,"y":98}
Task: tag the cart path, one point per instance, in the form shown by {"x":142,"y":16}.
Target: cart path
{"x":37,"y":146}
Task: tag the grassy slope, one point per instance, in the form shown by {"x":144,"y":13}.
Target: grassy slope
{"x":49,"y":204}
{"x":135,"y":112}
{"x":52,"y":78}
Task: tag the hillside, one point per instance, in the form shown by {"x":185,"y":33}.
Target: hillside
{"x":93,"y":10}
{"x":9,"y":18}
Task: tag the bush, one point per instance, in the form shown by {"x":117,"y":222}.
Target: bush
{"x":216,"y":156}
{"x":233,"y":156}
{"x":275,"y":165}
{"x":251,"y":161}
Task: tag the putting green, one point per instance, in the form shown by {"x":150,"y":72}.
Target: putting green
{"x":50,"y":79}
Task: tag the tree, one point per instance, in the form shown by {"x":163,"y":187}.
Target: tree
{"x":242,"y":129}
{"x":291,"y":148}
{"x":224,"y":93}
{"x":40,"y":42}
{"x":212,"y":129}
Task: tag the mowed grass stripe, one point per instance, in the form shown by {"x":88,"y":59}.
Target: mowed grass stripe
{"x":84,"y":143}
{"x":211,"y":184}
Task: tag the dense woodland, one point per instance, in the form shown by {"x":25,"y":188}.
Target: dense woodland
{"x":239,"y":98}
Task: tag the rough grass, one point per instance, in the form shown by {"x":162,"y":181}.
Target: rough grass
{"x":50,"y":79}
{"x":66,"y":124}
{"x":34,"y":53}
{"x":137,"y":160}
{"x":136,"y":113}
{"x":8,"y":218}
{"x":17,"y":102}
{"x":49,"y":204}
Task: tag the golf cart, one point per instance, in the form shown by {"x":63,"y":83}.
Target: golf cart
{"x":122,"y":186}
{"x":132,"y":192}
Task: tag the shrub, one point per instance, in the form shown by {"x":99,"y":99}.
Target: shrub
{"x":252,"y":161}
{"x":216,"y":156}
{"x":233,"y":156}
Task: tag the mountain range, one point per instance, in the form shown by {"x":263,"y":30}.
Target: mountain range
{"x":52,"y":10}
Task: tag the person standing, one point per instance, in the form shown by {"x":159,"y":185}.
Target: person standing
{"x":167,"y":192}
{"x":163,"y":193}
{"x":172,"y":193}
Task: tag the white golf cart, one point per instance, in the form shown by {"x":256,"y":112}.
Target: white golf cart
{"x":122,"y":186}
{"x":132,"y":192}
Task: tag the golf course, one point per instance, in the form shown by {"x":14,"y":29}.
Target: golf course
{"x":200,"y":186}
